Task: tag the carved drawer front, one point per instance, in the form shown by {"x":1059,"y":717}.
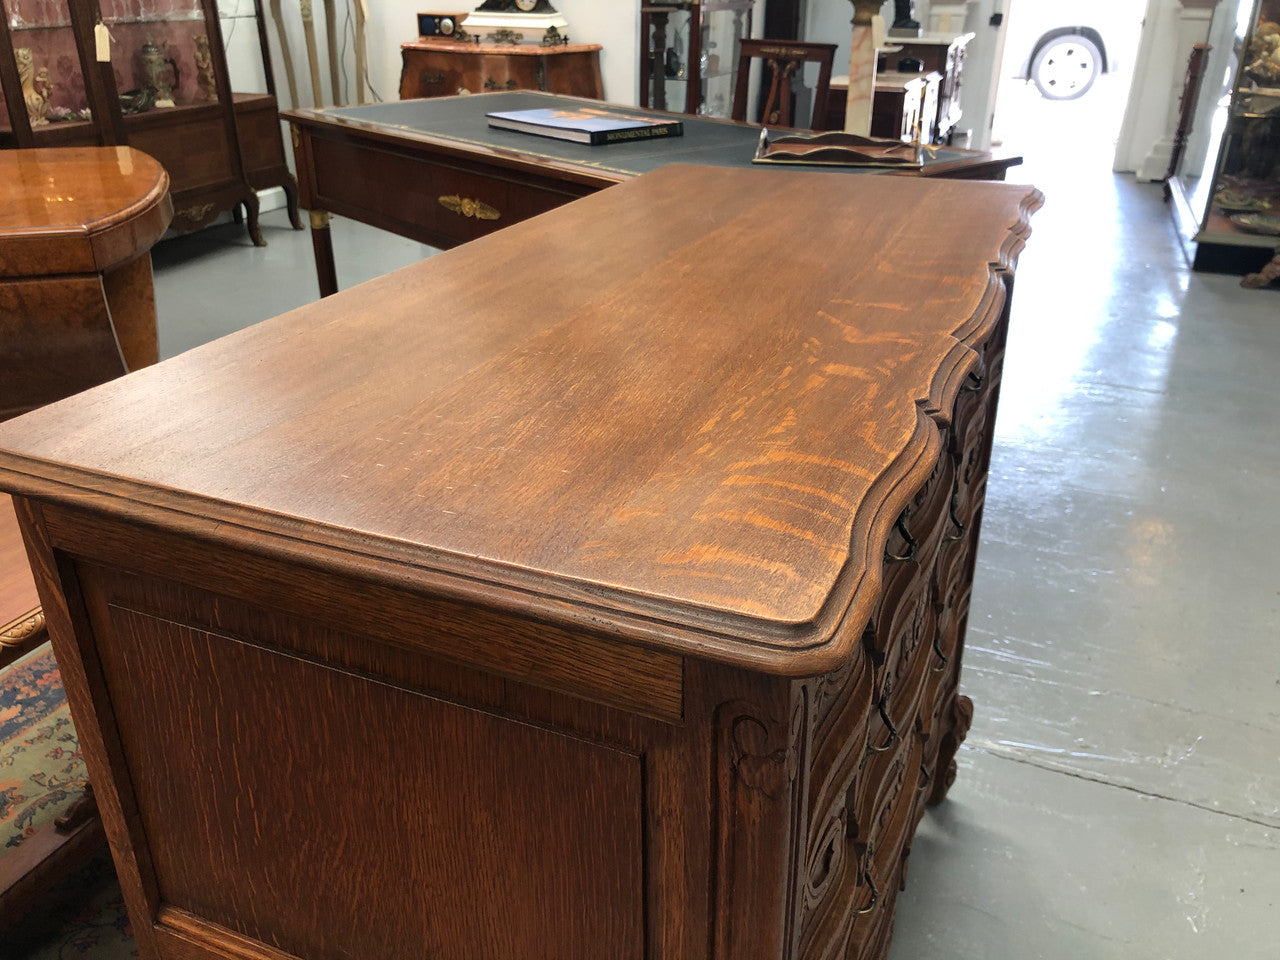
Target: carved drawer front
{"x":913,"y":545}
{"x":842,"y":705}
{"x":840,"y":892}
{"x":892,"y":723}
{"x":885,"y":833}
{"x":831,"y":878}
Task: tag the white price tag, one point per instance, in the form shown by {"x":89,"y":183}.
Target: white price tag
{"x":102,"y":43}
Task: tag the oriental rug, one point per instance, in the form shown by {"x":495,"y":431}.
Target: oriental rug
{"x":41,"y":774}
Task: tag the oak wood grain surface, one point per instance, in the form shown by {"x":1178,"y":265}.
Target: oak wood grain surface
{"x":605,"y":413}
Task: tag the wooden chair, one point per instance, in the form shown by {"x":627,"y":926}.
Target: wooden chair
{"x":783,"y":59}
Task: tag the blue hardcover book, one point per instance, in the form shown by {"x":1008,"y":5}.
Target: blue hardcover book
{"x":586,"y":125}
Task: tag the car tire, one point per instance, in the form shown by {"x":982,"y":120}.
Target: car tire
{"x":1064,"y":68}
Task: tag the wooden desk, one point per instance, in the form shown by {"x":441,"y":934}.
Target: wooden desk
{"x":434,"y":171}
{"x":438,"y":67}
{"x":76,"y":303}
{"x":596,"y":589}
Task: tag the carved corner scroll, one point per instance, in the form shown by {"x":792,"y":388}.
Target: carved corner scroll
{"x":22,"y":634}
{"x":759,"y":765}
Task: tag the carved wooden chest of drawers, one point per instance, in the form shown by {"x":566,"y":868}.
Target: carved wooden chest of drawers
{"x":596,"y":589}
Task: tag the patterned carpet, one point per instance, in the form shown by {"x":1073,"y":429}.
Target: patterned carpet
{"x":41,"y":774}
{"x":41,"y":770}
{"x":91,"y":924}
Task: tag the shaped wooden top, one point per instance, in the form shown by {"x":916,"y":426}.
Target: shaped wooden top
{"x":78,"y":209}
{"x":687,"y":409}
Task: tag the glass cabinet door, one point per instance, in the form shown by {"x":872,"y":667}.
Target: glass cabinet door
{"x":45,"y":66}
{"x":1243,"y":205}
{"x":160,"y":54}
{"x":689,"y":54}
{"x":724,"y":24}
{"x":665,"y":86}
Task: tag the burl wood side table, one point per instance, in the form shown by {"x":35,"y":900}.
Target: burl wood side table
{"x":436,"y":67}
{"x":76,"y":302}
{"x":594,"y":589}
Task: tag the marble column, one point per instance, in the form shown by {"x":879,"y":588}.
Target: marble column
{"x":868,"y":31}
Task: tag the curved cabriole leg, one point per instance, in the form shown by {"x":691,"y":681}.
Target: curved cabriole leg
{"x":291,"y":201}
{"x":945,"y":774}
{"x":255,"y":229}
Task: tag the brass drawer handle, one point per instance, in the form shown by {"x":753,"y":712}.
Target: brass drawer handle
{"x":955,"y":521}
{"x":888,"y":722}
{"x":937,"y":649}
{"x":466,"y":207}
{"x":430,"y":79}
{"x":866,"y":875}
{"x":492,"y":84}
{"x":912,"y":546}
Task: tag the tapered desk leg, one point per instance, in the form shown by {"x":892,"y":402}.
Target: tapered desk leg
{"x":322,"y":245}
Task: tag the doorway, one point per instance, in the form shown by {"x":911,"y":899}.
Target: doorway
{"x":1064,"y":81}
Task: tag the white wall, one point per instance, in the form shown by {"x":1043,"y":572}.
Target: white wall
{"x":1171,"y":27}
{"x":614,"y":24}
{"x":828,"y":21}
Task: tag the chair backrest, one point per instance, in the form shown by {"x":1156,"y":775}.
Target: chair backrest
{"x":783,"y":59}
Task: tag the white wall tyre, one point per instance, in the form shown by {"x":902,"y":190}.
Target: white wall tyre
{"x":1065,"y":67}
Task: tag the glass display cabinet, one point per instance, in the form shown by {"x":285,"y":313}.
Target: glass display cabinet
{"x":689,"y":54}
{"x":1238,"y":208}
{"x":150,"y":74}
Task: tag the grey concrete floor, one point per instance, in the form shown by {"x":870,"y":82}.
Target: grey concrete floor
{"x":1119,"y":795}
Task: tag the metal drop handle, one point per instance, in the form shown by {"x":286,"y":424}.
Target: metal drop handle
{"x":913,"y":548}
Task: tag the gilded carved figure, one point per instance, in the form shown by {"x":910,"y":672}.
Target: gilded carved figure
{"x":205,"y":81}
{"x":37,"y":101}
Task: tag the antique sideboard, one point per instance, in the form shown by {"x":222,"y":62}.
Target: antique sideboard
{"x":595,"y":589}
{"x":441,"y":67}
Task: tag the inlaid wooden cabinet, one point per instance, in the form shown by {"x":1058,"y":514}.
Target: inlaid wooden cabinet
{"x":467,"y":617}
{"x":436,"y":67}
